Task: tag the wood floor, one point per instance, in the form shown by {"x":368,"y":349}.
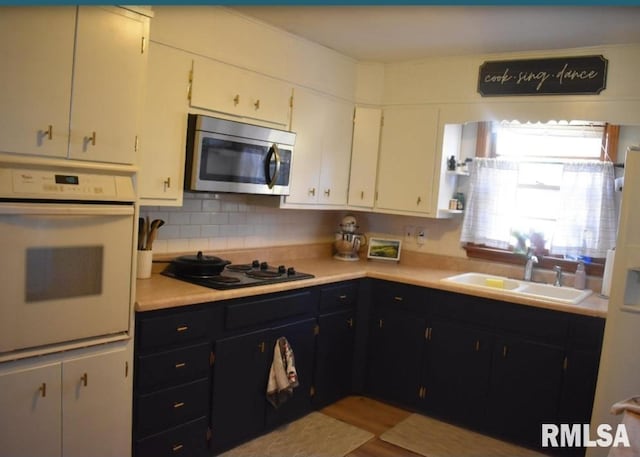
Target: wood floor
{"x":375,"y":417}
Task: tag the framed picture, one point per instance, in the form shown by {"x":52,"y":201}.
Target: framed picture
{"x":384,"y":249}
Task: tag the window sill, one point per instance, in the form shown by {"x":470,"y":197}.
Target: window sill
{"x":544,"y":262}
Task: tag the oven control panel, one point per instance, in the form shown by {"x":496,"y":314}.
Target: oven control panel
{"x":66,"y":185}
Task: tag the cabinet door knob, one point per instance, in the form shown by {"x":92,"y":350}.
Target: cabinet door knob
{"x":167,"y":183}
{"x":91,"y":139}
{"x":419,"y":200}
{"x":48,"y":132}
{"x":312,"y":191}
{"x":261,"y":346}
{"x":362,"y":195}
{"x":85,"y":379}
{"x":236,"y":99}
{"x":257,"y":104}
{"x":477,"y":345}
{"x":327,"y":192}
{"x":350,"y":322}
{"x":43,"y":389}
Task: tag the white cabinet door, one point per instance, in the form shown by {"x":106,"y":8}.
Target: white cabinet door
{"x":307,"y":121}
{"x":31,"y":411}
{"x":336,"y":153}
{"x":217,"y":86}
{"x":320,"y":172}
{"x":364,"y":157}
{"x":36,"y":51}
{"x":107,"y":85}
{"x":407,"y":159}
{"x":164,"y":127}
{"x":96,"y":397}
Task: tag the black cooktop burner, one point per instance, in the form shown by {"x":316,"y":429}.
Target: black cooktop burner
{"x":241,"y":275}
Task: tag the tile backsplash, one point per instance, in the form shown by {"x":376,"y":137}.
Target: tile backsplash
{"x":215,"y":222}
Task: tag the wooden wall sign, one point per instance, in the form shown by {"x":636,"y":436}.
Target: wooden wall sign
{"x":554,"y":76}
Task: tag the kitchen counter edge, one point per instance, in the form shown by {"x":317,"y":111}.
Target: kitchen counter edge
{"x":161,"y":292}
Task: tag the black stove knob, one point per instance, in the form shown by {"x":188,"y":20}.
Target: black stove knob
{"x":264,"y":266}
{"x":255,"y":264}
{"x":291,"y":271}
{"x":282,"y":269}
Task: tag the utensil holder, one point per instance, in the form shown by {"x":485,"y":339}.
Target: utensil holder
{"x":144,"y":261}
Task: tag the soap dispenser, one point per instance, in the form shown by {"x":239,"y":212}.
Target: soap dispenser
{"x":580,"y":280}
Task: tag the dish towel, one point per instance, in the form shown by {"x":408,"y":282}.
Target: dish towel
{"x":282,"y":376}
{"x":630,"y":408}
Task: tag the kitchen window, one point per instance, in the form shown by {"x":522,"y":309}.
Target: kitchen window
{"x":545,"y":187}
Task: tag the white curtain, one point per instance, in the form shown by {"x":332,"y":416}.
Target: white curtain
{"x":588,"y":219}
{"x":492,"y":197}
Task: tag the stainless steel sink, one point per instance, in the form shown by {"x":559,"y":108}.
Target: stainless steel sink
{"x":515,"y":287}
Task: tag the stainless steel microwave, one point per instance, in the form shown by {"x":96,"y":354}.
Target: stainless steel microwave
{"x":229,"y":156}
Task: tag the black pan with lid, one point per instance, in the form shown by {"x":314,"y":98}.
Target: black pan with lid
{"x":199,"y":265}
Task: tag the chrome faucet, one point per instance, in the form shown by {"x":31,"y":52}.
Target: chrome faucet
{"x":528,"y":267}
{"x":558,"y":271}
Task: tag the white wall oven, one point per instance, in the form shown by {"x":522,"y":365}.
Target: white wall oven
{"x":66,"y":239}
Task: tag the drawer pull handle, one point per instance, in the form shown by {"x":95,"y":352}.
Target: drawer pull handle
{"x":350,"y":322}
{"x":178,"y":404}
{"x":85,"y":379}
{"x":177,"y":447}
{"x":261,"y":346}
{"x":181,"y":365}
{"x":182,"y":328}
{"x":343,"y":297}
{"x":398,"y":298}
{"x":43,"y":389}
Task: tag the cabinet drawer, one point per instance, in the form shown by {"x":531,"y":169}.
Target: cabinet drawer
{"x":586,"y":332}
{"x":173,"y":367}
{"x":170,"y":407}
{"x":338,"y":296}
{"x":189,"y":439}
{"x":271,"y":309}
{"x":173,"y":329}
{"x":403,"y":296}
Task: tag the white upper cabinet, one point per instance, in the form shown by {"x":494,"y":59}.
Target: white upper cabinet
{"x":364,"y":157}
{"x":59,"y":104}
{"x":231,"y":90}
{"x":36,"y":51}
{"x":407,"y":162}
{"x":320,"y":171}
{"x":164,"y":127}
{"x":107,"y":85}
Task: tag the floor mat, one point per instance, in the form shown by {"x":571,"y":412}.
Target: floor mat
{"x":432,"y":438}
{"x":314,"y":435}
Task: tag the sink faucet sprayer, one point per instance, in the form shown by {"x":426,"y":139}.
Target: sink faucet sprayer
{"x":558,"y":271}
{"x":528,"y":267}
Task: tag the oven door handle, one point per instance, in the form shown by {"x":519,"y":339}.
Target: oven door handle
{"x":273,"y":151}
{"x":70,"y":209}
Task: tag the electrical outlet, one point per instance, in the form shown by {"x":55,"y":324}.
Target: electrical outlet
{"x":421,"y":234}
{"x":409,"y":233}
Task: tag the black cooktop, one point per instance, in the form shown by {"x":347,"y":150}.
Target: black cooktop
{"x":235,"y":276}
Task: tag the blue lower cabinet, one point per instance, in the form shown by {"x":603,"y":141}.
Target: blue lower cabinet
{"x":188,"y":439}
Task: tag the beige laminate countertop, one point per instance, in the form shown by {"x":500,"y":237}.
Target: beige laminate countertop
{"x":161,"y":292}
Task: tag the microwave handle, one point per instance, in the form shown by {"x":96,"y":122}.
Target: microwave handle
{"x":273,"y":151}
